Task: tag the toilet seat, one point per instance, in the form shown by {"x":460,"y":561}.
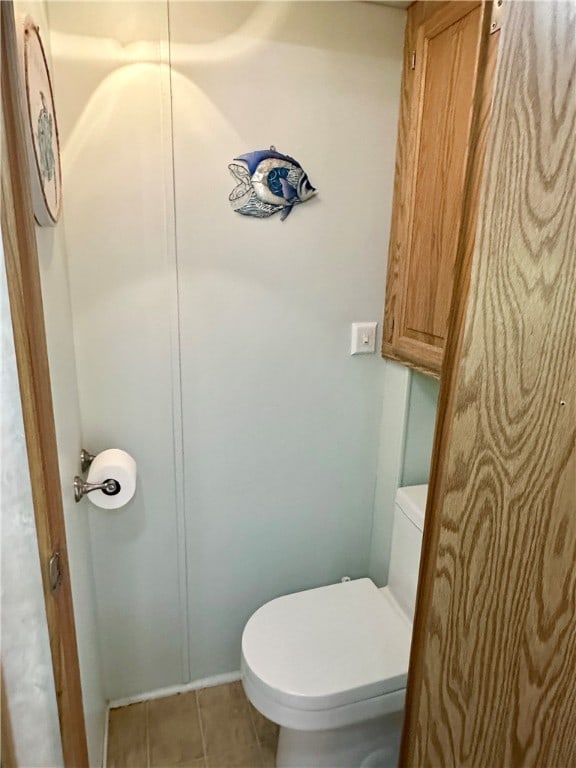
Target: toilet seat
{"x":327,"y":657}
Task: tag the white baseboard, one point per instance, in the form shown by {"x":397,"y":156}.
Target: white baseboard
{"x":160,"y":693}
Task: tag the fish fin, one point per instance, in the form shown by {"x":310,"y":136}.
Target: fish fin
{"x":286,"y":211}
{"x":253,"y":206}
{"x":252,"y":159}
{"x":239,"y":172}
{"x":288,"y":191}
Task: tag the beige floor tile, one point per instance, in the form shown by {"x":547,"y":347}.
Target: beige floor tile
{"x":222,"y":695}
{"x":226,"y":721}
{"x":268,"y":755}
{"x":248,"y":757}
{"x":266,"y":731}
{"x":127,"y":743}
{"x":174,"y":734}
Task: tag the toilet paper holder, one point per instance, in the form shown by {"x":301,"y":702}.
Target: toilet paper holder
{"x":81,"y":487}
{"x":86,"y":459}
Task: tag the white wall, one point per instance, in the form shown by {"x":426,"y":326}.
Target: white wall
{"x":405,"y":450}
{"x":420,"y":424}
{"x":113,"y":94}
{"x":220,"y":358}
{"x":58,"y":318}
{"x":280,"y":423}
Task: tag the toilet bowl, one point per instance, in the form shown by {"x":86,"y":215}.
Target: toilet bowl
{"x":329,"y":665}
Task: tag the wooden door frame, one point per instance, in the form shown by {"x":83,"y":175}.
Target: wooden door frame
{"x":25,"y":294}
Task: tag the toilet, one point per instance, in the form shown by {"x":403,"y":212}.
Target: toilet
{"x":329,"y":665}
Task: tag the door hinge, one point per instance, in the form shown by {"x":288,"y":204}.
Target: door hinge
{"x":496,"y":17}
{"x":413,"y":60}
{"x":54,"y":571}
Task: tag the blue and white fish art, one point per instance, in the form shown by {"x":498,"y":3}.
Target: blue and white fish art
{"x":268,"y":182}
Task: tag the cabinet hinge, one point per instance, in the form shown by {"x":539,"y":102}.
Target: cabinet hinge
{"x":496,"y":17}
{"x":413,"y":60}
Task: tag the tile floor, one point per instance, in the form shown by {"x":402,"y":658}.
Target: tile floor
{"x":210,"y":728}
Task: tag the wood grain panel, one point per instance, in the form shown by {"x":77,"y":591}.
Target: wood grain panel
{"x":26,"y":308}
{"x":494,"y":652}
{"x":450,"y":66}
{"x":434,"y":154}
{"x":401,"y":207}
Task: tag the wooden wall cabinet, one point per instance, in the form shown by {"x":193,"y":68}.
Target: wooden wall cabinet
{"x":446,"y":98}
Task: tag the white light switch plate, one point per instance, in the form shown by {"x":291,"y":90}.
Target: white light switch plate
{"x":363,"y":338}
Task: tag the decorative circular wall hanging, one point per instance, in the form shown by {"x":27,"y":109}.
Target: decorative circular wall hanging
{"x":42,"y":129}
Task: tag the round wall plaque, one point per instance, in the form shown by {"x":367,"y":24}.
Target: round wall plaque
{"x":43,"y":143}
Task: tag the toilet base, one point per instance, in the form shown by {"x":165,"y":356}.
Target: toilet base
{"x":346,"y":747}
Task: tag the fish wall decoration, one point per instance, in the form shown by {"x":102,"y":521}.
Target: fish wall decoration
{"x":268,"y":182}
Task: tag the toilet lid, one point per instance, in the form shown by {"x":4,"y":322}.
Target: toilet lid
{"x":328,"y":647}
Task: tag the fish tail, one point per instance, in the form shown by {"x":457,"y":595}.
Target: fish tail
{"x":244,"y":186}
{"x":239,"y":172}
{"x":239,"y":191}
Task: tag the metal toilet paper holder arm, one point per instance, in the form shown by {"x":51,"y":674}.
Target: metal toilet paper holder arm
{"x":81,"y":487}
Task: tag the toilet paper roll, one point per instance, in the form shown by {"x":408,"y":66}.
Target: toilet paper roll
{"x":113,"y":464}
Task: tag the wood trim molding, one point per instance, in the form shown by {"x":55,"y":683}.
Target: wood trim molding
{"x":390,"y":354}
{"x":491,"y":672}
{"x":35,"y":390}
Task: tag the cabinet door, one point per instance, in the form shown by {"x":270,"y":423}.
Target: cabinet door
{"x":439,"y":94}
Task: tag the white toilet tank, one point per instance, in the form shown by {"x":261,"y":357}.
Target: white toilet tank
{"x":406,"y":545}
